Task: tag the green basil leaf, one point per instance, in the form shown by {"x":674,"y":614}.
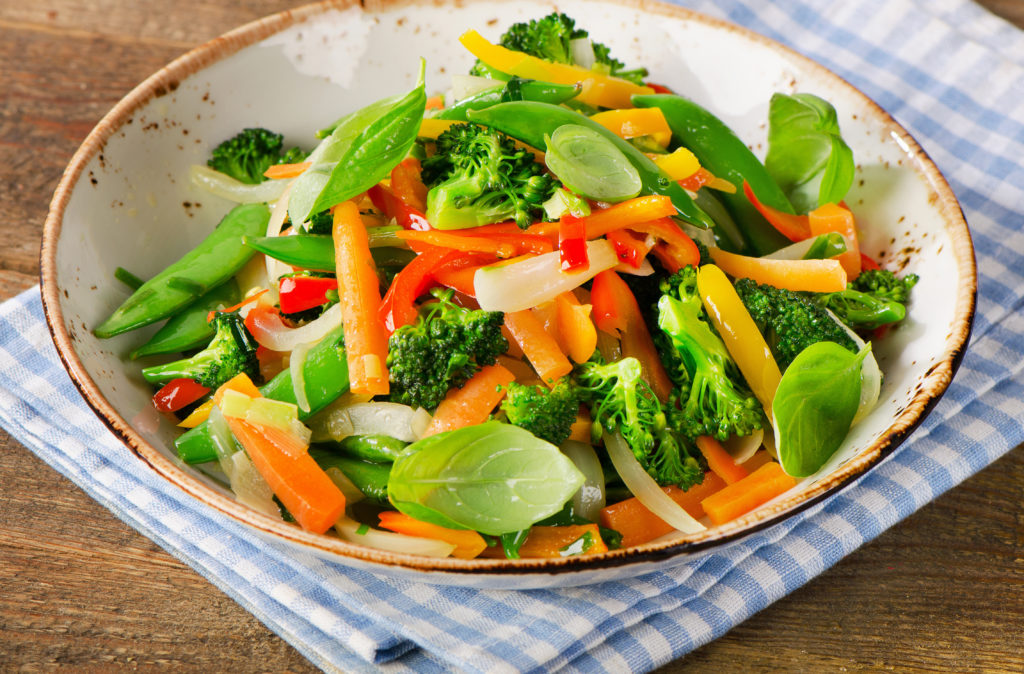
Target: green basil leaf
{"x":807,"y":156}
{"x":493,"y":478}
{"x":590,"y":164}
{"x":814,"y":406}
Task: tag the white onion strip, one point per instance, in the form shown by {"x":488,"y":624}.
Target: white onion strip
{"x":742,"y":447}
{"x":588,"y":501}
{"x":279,"y":211}
{"x":297,"y":369}
{"x":286,"y":339}
{"x":646,"y":489}
{"x":389,"y":541}
{"x":227,"y":187}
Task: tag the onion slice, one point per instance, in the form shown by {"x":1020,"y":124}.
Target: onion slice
{"x":227,"y":187}
{"x":646,"y":489}
{"x":348,"y":529}
{"x":275,"y":268}
{"x":742,"y":447}
{"x":277,"y":336}
{"x":590,"y":498}
{"x":297,"y":369}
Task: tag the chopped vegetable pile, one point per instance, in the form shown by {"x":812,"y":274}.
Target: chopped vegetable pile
{"x":553,"y":311}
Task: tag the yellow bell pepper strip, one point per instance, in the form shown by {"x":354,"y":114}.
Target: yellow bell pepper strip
{"x":366,"y":339}
{"x":432,"y":128}
{"x":575,"y":327}
{"x":741,"y":497}
{"x":598,"y":89}
{"x":636,"y":122}
{"x":468,"y":544}
{"x":836,"y":218}
{"x":680,"y":164}
{"x":741,"y":336}
{"x":820,"y":276}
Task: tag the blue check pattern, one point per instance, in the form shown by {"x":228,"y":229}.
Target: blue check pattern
{"x":957,"y":85}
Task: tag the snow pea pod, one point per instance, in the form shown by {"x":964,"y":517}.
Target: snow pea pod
{"x":516,"y":89}
{"x":724,"y":154}
{"x":375,"y":448}
{"x":371,"y":478}
{"x":206,"y":266}
{"x":326,"y":377}
{"x":529,"y":122}
{"x":316,"y":251}
{"x":189,"y":328}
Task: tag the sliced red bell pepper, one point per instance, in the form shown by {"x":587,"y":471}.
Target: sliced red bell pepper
{"x":458,"y":273}
{"x":793,"y":227}
{"x":677,"y":244}
{"x":866,"y":263}
{"x":572,"y":243}
{"x":659,"y":88}
{"x":390,"y":205}
{"x":298,"y":293}
{"x":398,"y":307}
{"x":178,"y":393}
{"x":629,"y":247}
{"x":697,"y":180}
{"x":407,"y":184}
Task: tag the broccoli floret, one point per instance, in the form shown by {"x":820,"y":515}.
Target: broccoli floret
{"x":622,"y":402}
{"x":713,"y":395}
{"x":790,"y":321}
{"x":252,"y":151}
{"x":546,"y":412}
{"x":550,"y":38}
{"x":478,"y":176}
{"x":885,"y":284}
{"x":232,"y":351}
{"x":875,"y":298}
{"x":444,"y":348}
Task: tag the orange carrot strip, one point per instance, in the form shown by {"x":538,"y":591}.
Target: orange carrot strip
{"x":469,"y":244}
{"x":823,"y":276}
{"x":575,"y":327}
{"x":468,"y":544}
{"x":741,"y":497}
{"x":472,"y":403}
{"x":278,"y":171}
{"x":835,"y":218}
{"x":624,"y":214}
{"x":540,"y":347}
{"x":759,"y":458}
{"x":544,"y":541}
{"x":435,"y":103}
{"x":366,"y":338}
{"x":283,"y":460}
{"x":637,"y":524}
{"x":719,"y":460}
{"x":582,"y":429}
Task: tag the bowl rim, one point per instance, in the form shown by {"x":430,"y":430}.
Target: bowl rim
{"x":163,"y":82}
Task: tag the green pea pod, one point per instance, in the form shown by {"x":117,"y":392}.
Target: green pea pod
{"x":326,"y":377}
{"x":371,"y":478}
{"x":206,"y":266}
{"x":189,"y":328}
{"x":530,"y":122}
{"x":376,"y":448}
{"x":724,"y":154}
{"x":316,"y":251}
{"x":516,"y":89}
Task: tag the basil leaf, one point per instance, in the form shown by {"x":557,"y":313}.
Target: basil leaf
{"x":367,"y":158}
{"x":493,"y":478}
{"x":807,"y":156}
{"x":590,"y":165}
{"x":814,"y":405}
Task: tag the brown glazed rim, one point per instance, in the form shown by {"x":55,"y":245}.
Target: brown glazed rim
{"x":929,"y":390}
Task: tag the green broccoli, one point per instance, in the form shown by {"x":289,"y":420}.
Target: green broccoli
{"x":714,"y":398}
{"x":247,"y":155}
{"x":478,"y":176}
{"x":232,"y":351}
{"x":546,"y":412}
{"x":622,"y":402}
{"x":885,"y":284}
{"x":550,"y":38}
{"x":875,"y":298}
{"x":442,"y":349}
{"x":790,"y":321}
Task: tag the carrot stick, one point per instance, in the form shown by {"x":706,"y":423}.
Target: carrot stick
{"x":575,"y":327}
{"x":741,"y":497}
{"x":283,"y":460}
{"x":638,"y":525}
{"x":469,"y":244}
{"x":759,"y":458}
{"x":366,"y":338}
{"x":545,"y":541}
{"x":582,"y":429}
{"x":626,"y":214}
{"x":835,"y":218}
{"x":719,"y":460}
{"x":468,"y":544}
{"x":278,"y":171}
{"x":823,"y":276}
{"x":472,"y":403}
{"x":540,"y":348}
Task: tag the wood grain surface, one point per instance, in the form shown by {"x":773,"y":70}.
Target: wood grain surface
{"x":943,"y":590}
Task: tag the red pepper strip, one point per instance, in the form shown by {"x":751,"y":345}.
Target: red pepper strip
{"x":659,"y":89}
{"x":572,"y":243}
{"x":468,"y":244}
{"x":398,"y":307}
{"x":678,"y":244}
{"x":616,"y":311}
{"x":697,"y":180}
{"x":407,"y":184}
{"x":629,"y":247}
{"x":178,"y":393}
{"x":867,"y":263}
{"x":793,"y":227}
{"x":391,"y":206}
{"x":247,"y":300}
{"x":299,"y":293}
{"x":458,"y":273}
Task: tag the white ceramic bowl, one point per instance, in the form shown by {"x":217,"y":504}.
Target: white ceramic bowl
{"x":125,"y":200}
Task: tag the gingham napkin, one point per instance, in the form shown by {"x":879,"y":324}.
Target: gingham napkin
{"x":947,"y":70}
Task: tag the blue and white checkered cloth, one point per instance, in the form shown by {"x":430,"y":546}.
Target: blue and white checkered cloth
{"x":948,"y":71}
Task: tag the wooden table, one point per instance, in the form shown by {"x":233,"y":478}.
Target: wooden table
{"x":942,"y":590}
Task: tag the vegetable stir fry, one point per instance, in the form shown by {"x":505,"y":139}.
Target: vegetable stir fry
{"x":553,"y":311}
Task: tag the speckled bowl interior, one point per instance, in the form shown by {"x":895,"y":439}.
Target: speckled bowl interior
{"x":125,"y":200}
